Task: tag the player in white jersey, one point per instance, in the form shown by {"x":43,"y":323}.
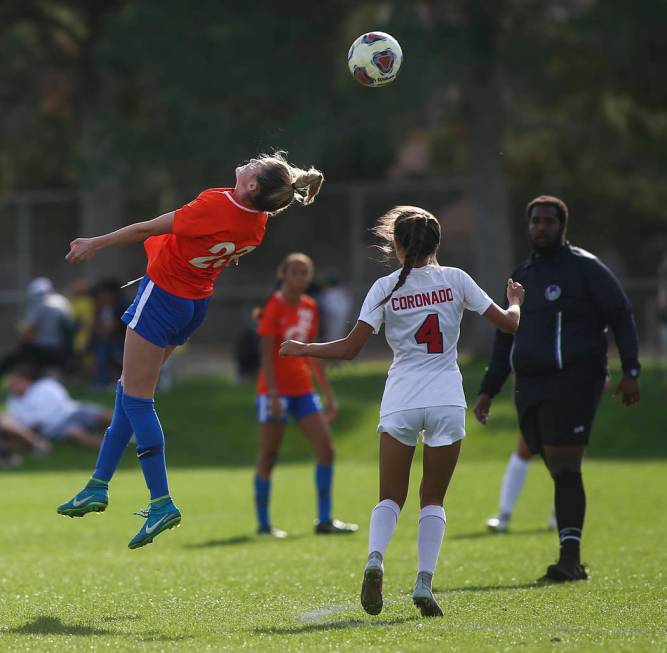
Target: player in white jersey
{"x":421,"y":306}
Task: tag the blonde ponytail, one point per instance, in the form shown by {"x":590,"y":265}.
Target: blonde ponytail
{"x":281,"y":183}
{"x":310,"y":181}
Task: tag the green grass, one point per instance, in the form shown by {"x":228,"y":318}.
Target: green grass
{"x":72,"y":584}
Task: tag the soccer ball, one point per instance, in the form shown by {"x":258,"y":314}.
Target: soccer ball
{"x":374,"y":59}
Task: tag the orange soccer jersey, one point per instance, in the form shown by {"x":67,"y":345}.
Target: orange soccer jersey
{"x":208,"y":233}
{"x":284,"y":321}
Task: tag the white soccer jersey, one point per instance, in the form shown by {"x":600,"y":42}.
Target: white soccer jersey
{"x":422,"y":325}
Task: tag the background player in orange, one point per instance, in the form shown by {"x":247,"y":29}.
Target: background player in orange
{"x":285,"y":387}
{"x":186,"y":249}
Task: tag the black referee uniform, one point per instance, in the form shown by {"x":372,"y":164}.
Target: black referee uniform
{"x":559,"y":353}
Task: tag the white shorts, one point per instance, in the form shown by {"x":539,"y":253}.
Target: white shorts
{"x":439,"y":425}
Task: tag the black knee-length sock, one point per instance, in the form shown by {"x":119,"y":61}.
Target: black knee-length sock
{"x":570,"y":511}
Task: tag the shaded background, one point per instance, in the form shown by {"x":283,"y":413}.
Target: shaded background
{"x":114,"y":111}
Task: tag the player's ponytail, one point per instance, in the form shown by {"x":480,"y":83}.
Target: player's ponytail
{"x":281,"y":183}
{"x":307,"y":184}
{"x":417,"y":232}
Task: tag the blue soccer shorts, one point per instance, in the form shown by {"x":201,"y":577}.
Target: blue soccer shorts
{"x":162,"y":318}
{"x":295,"y":406}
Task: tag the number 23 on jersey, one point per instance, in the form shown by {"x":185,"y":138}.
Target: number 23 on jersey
{"x":222,"y":253}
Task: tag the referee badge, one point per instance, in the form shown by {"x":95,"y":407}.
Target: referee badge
{"x":552,"y":293}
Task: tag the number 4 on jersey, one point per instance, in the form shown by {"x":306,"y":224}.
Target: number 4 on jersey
{"x":429,"y":334}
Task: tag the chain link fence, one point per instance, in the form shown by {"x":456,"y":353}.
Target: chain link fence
{"x":335,"y":232}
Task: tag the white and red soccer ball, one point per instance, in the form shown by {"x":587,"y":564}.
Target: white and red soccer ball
{"x":375,"y":58}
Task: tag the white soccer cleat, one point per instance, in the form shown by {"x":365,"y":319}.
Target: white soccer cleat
{"x":371,"y":588}
{"x":423,"y":597}
{"x":499,"y":524}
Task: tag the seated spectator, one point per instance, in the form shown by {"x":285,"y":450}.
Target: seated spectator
{"x":41,"y":408}
{"x":46,"y":331}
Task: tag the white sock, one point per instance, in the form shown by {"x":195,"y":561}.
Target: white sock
{"x":432,"y":523}
{"x":515,"y":477}
{"x":383,"y":523}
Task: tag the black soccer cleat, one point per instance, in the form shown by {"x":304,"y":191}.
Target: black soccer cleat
{"x":423,"y":597}
{"x":335,"y":527}
{"x":371,"y":588}
{"x":565,"y":570}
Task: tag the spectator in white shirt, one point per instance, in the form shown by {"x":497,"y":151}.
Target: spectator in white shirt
{"x":42,"y":408}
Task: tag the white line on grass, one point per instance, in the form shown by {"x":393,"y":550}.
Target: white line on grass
{"x":319,"y":615}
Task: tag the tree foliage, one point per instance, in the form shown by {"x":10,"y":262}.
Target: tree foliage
{"x":562,"y":96}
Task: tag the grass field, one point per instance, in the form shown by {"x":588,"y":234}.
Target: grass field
{"x":72,"y":585}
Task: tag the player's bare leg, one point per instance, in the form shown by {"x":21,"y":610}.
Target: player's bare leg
{"x":395,"y":462}
{"x":270,"y":441}
{"x":438,"y":468}
{"x":142,"y":361}
{"x":318,"y":433}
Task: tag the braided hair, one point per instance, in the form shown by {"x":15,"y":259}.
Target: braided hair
{"x":418,"y":233}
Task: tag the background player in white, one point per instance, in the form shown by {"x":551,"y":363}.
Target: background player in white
{"x":421,"y":305}
{"x":510,"y":489}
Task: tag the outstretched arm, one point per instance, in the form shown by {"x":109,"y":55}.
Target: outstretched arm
{"x":507,"y":319}
{"x":83,"y":249}
{"x":346,"y":348}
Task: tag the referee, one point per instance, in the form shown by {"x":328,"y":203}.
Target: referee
{"x":559,"y":357}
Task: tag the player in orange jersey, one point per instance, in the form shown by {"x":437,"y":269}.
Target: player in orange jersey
{"x":285,"y":387}
{"x":186,"y":249}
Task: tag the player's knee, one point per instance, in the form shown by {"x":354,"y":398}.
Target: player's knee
{"x":325,"y":455}
{"x":564,"y":467}
{"x":267,"y":461}
{"x":430,"y":497}
{"x":397,"y":498}
{"x":568,"y":478}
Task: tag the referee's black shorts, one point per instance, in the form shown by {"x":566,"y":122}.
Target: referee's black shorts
{"x":558,"y":409}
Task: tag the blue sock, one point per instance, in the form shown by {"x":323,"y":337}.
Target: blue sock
{"x":150,"y":443}
{"x":115,"y":440}
{"x":262,"y":495}
{"x":323,"y":481}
